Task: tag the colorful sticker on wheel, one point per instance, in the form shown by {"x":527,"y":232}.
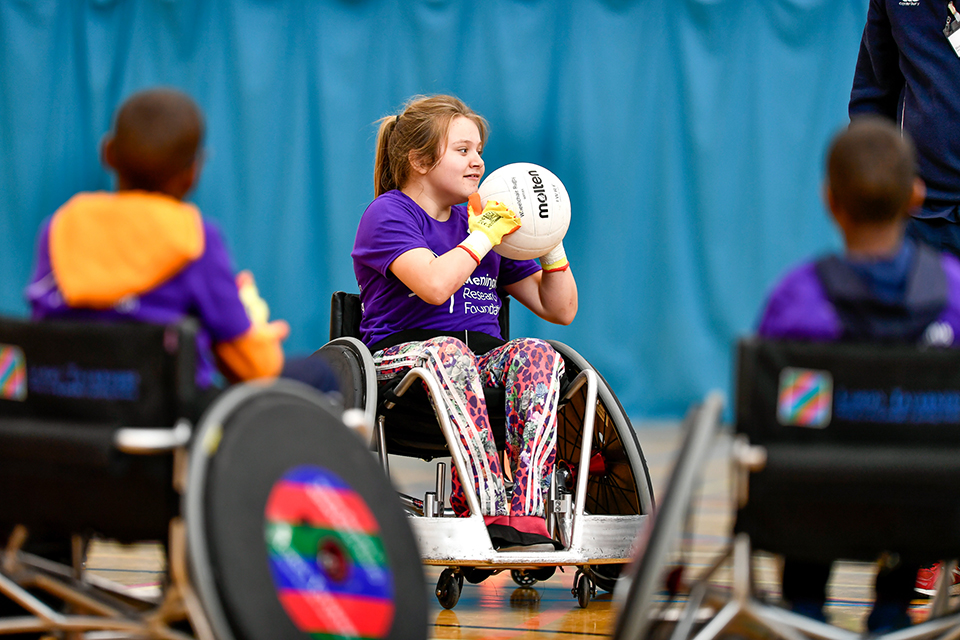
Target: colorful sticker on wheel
{"x":327,"y":557}
{"x":806,"y":397}
{"x":13,"y":373}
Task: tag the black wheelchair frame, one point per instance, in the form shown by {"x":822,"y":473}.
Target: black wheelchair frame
{"x":841,"y":451}
{"x":87,"y":451}
{"x":596,"y":519}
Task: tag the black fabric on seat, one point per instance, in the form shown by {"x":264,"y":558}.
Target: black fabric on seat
{"x":130,"y":373}
{"x":872,"y":467}
{"x":60,"y":472}
{"x":411,"y":427}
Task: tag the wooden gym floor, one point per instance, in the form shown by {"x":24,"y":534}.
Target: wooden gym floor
{"x":499,"y":609}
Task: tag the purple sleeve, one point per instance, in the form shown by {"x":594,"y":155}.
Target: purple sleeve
{"x":383,"y":235}
{"x":798,"y":309}
{"x":951,"y":315}
{"x":877,"y":80}
{"x":41,"y":283}
{"x":512,"y":271}
{"x":214,"y":288}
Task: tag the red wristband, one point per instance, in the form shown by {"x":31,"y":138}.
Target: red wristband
{"x":472,"y":254}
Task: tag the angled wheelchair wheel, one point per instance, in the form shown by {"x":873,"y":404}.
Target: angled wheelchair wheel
{"x":619,"y":482}
{"x":352,"y":362}
{"x":619,"y":479}
{"x":293,"y":531}
{"x":649,"y":571}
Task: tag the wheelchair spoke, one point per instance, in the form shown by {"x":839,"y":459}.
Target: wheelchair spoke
{"x":614,"y":491}
{"x":618,"y":498}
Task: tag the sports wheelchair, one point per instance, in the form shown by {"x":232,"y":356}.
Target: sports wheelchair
{"x":600,"y":497}
{"x":276,"y":520}
{"x":841,"y":451}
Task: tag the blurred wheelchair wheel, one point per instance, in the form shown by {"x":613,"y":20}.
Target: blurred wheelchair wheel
{"x":293,"y":530}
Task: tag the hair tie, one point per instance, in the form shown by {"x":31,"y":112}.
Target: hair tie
{"x":396,"y":122}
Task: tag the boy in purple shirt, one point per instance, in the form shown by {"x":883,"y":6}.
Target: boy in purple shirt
{"x":884,"y":288}
{"x":143,"y":254}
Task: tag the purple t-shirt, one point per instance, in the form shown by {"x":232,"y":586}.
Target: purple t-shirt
{"x":205,"y":289}
{"x":394,"y":224}
{"x":799,"y":309}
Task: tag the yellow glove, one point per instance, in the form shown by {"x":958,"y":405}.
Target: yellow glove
{"x":487,"y":227}
{"x":256,"y":307}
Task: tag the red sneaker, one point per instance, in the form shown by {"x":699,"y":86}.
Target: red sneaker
{"x":927,"y":580}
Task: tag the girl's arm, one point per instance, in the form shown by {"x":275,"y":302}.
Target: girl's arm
{"x":552,"y":295}
{"x":434,"y":278}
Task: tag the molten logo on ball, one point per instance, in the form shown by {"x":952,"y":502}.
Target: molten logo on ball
{"x":541,"y":194}
{"x":527,"y":188}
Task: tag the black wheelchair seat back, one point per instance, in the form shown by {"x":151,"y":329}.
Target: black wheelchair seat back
{"x":129,"y":373}
{"x":267,"y":505}
{"x":862,"y":448}
{"x":66,"y":388}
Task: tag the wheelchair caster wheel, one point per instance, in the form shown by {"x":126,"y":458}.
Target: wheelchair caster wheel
{"x":448,"y":588}
{"x":523,"y":578}
{"x":605,"y":576}
{"x":474,"y":575}
{"x":583,"y":589}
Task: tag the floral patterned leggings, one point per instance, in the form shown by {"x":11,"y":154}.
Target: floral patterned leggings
{"x":530,"y":370}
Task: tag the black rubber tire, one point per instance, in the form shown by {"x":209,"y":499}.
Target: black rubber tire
{"x":627,"y":479}
{"x":542,"y":573}
{"x":605,"y":576}
{"x":448,"y":589}
{"x":474,"y":575}
{"x":523,"y":578}
{"x":626,"y":488}
{"x":255,"y":439}
{"x":583,"y":591}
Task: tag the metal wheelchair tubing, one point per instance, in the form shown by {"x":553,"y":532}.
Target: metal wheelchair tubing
{"x":473,"y":501}
{"x":587,"y":376}
{"x":150,"y":440}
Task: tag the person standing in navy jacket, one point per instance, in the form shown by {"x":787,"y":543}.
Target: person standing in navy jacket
{"x":909,"y":71}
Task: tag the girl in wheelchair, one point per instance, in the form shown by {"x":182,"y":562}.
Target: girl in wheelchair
{"x":431,"y":289}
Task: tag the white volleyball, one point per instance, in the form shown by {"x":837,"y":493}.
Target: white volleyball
{"x":541,"y":201}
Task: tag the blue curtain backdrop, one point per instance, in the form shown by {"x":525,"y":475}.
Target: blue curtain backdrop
{"x":689,"y":133}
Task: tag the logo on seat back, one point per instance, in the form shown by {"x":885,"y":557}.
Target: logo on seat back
{"x":805,"y":398}
{"x":71,"y":381}
{"x":13,"y":373}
